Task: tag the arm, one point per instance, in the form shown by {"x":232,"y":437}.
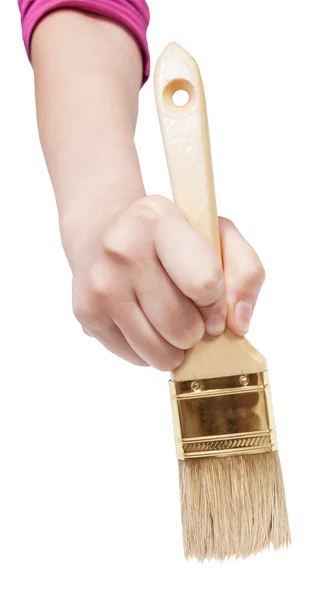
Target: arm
{"x":88,"y":73}
{"x":145,"y":284}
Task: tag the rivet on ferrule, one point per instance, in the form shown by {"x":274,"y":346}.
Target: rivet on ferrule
{"x":195,"y":386}
{"x":244,"y":379}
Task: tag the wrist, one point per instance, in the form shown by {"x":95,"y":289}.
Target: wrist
{"x":83,"y":220}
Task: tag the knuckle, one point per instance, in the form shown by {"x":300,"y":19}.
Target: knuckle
{"x":199,"y":286}
{"x":99,"y":283}
{"x":82,"y":310}
{"x":169,"y":360}
{"x":128,"y":237}
{"x":86,"y":332}
{"x":206,"y":285}
{"x":118,"y":243}
{"x":152,"y":207}
{"x":226,"y":222}
{"x":191,"y":335}
{"x":86,"y":301}
{"x":256,"y":272}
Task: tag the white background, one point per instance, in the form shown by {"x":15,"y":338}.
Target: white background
{"x":89,"y":505}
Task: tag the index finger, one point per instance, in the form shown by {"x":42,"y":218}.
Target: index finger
{"x":189,"y":260}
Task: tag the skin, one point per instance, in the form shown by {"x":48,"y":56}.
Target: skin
{"x":128,"y":292}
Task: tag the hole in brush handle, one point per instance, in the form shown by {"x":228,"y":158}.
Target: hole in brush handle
{"x":186,"y":141}
{"x":180,"y":98}
{"x":178,"y":94}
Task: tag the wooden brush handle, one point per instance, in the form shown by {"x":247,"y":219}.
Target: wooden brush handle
{"x":186,"y":141}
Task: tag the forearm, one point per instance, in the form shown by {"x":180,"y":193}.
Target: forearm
{"x":88,"y":74}
{"x":145,"y":284}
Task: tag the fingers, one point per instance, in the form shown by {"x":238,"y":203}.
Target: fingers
{"x":173,"y":315}
{"x":96,"y":324}
{"x":109,"y":311}
{"x":145,"y":340}
{"x":152,"y":285}
{"x":110,"y":336}
{"x":130,"y":246}
{"x":244,"y":276}
{"x":194,"y":267}
{"x":215,"y":315}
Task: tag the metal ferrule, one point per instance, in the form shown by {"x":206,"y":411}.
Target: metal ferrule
{"x":224,"y":416}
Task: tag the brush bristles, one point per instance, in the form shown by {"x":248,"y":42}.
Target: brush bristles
{"x":232,"y":506}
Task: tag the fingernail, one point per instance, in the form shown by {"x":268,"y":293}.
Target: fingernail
{"x":216,"y":325}
{"x":242,"y":314}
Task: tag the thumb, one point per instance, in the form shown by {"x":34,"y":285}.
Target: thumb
{"x":244,"y":276}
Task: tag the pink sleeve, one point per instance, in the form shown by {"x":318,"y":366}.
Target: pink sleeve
{"x":133,"y":14}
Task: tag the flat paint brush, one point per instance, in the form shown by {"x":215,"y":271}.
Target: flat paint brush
{"x":232,"y":493}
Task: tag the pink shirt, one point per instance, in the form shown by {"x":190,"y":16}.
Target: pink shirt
{"x":133,"y":14}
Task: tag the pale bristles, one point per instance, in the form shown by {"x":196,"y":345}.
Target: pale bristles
{"x":233,"y":507}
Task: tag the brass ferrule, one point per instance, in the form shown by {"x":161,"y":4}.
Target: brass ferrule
{"x":224,"y":416}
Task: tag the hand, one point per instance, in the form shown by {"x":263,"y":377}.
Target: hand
{"x":148,"y":286}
